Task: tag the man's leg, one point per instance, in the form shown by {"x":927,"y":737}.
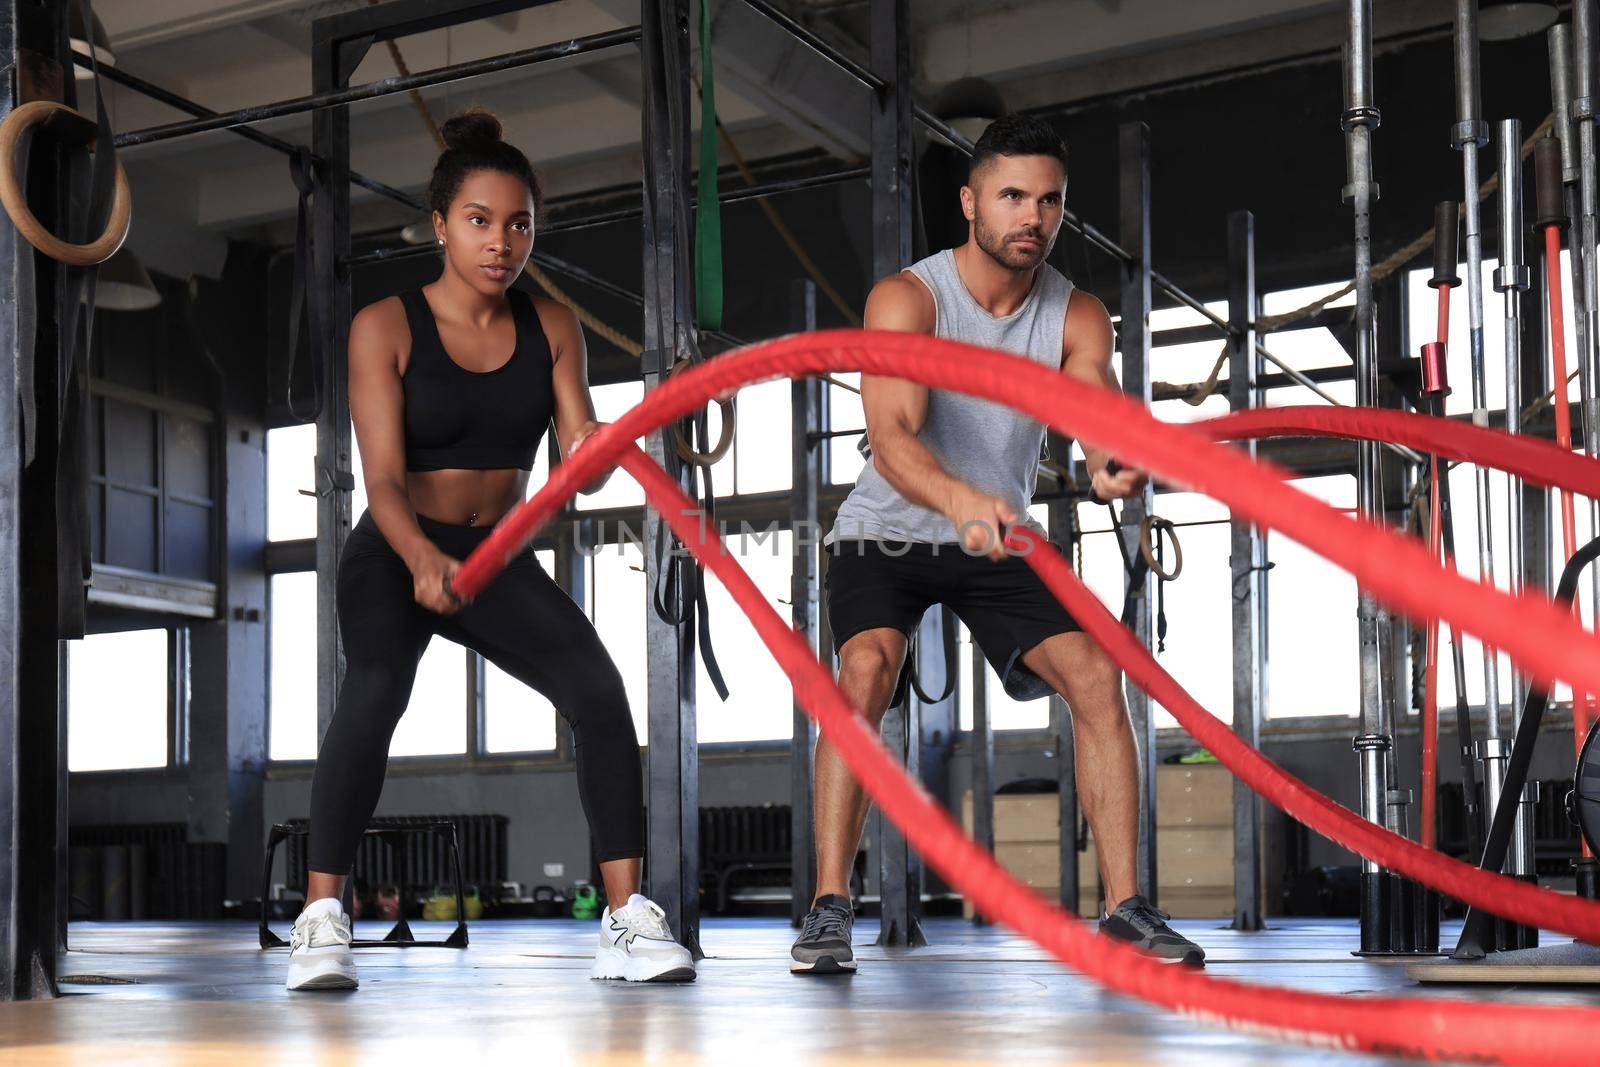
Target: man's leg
{"x":1108,"y":787}
{"x":869,"y":666}
{"x":1107,"y":757}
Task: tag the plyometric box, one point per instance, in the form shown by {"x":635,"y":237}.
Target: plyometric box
{"x":1194,"y":843}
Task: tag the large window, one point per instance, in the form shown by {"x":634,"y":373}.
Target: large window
{"x":760,"y":700}
{"x":618,"y":588}
{"x":517,"y":718}
{"x":610,"y":403}
{"x":118,"y":701}
{"x":292,"y":667}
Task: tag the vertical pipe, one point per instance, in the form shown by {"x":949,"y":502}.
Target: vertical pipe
{"x":1511,"y":280}
{"x":333,"y":62}
{"x":808,"y":451}
{"x":672,"y":861}
{"x":1584,"y":267}
{"x":1064,"y":533}
{"x":1133,"y":208}
{"x":1249,"y":572}
{"x":982,"y":748}
{"x":1359,"y":119}
{"x":891,"y":148}
{"x":1469,"y":134}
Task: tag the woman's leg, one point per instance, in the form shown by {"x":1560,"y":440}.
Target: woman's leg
{"x":526,"y":625}
{"x":384,"y":633}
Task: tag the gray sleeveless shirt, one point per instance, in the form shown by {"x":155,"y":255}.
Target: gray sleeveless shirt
{"x":986,"y":445}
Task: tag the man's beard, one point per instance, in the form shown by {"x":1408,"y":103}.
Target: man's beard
{"x":1012,"y":257}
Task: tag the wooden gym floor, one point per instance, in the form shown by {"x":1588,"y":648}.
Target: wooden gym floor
{"x":203,"y":993}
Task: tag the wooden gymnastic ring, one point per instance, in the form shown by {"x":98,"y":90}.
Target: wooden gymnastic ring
{"x":15,"y":200}
{"x":685,"y":450}
{"x":1147,"y":527}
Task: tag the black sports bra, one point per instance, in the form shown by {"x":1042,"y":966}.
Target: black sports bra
{"x":457,"y":419}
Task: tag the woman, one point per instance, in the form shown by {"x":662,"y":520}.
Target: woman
{"x":448,"y":423}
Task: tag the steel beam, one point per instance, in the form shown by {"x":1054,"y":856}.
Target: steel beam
{"x":672,"y":863}
{"x":227,"y":732}
{"x":1248,"y":567}
{"x":1359,"y":119}
{"x":343,"y":94}
{"x":1133,"y":210}
{"x":981,"y":742}
{"x":32,"y":758}
{"x":333,"y":60}
{"x":1064,"y":533}
{"x":809,"y":473}
{"x":891,"y":159}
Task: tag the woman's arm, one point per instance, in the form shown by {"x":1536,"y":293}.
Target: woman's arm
{"x":377,"y":408}
{"x":574,"y":414}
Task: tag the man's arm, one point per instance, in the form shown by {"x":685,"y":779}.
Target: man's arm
{"x":1086,"y":356}
{"x":895,"y":411}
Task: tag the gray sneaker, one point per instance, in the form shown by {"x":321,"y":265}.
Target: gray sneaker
{"x":824,"y":943}
{"x":1144,"y":926}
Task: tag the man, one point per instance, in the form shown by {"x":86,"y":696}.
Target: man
{"x":924,"y":525}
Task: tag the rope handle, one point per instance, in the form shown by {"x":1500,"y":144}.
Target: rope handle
{"x":13,"y":197}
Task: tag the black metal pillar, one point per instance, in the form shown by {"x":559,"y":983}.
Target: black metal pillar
{"x":891,"y":251}
{"x":1247,"y":566}
{"x":672,"y":863}
{"x":1064,"y":533}
{"x":808,"y":418}
{"x":334,"y":59}
{"x":1133,"y":210}
{"x":982,"y":744}
{"x":32,"y":750}
{"x":228,"y":656}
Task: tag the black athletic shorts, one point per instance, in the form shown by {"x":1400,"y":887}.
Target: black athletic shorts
{"x":1005,"y":606}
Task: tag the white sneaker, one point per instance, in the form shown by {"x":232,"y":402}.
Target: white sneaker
{"x":319,"y":948}
{"x":635,"y":945}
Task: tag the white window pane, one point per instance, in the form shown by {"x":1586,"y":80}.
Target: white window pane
{"x":435,"y":722}
{"x":760,"y":698}
{"x":117,"y":701}
{"x":1311,"y":621}
{"x":618,"y":613}
{"x":1285,"y":300}
{"x":1199,"y":645}
{"x":845,"y":413}
{"x":516,"y":717}
{"x":763,"y":450}
{"x":292,"y":677}
{"x":291,"y":467}
{"x":610,"y":403}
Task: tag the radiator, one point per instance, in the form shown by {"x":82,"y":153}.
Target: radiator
{"x":747,"y":846}
{"x":1556,"y":841}
{"x":143,"y":871}
{"x":482,"y":839}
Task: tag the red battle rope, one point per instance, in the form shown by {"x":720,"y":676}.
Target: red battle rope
{"x":1416,"y":1027}
{"x":1393,"y":568}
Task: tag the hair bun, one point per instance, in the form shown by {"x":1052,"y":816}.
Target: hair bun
{"x":476,"y":125}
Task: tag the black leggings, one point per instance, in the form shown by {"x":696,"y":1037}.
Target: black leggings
{"x":526,"y":625}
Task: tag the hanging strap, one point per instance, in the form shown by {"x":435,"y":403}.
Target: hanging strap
{"x":947,"y":624}
{"x":305,"y":293}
